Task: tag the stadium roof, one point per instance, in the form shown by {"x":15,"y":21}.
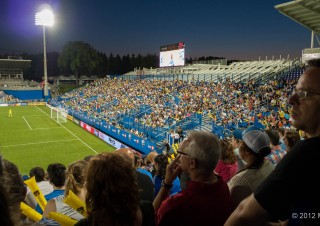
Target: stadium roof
{"x":304,"y":12}
{"x":14,"y":64}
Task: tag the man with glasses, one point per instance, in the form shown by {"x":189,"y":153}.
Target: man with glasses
{"x":290,"y":193}
{"x":206,"y":199}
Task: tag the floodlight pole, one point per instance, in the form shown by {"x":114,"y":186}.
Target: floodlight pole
{"x":46,"y":93}
{"x":45,"y":18}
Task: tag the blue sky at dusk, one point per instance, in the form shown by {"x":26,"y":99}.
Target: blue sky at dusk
{"x":233,"y":29}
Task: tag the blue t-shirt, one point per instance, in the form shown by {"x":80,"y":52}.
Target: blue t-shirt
{"x":49,"y":196}
{"x":157,"y":185}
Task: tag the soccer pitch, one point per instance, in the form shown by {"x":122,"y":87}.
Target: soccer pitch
{"x":31,"y":138}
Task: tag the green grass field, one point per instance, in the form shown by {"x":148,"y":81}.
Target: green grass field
{"x":31,"y":138}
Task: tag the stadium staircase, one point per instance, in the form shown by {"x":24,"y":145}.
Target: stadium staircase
{"x":206,"y":124}
{"x":279,"y":73}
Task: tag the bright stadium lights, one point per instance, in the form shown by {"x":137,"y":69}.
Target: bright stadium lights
{"x":45,"y":18}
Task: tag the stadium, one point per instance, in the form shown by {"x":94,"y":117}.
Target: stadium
{"x":148,"y":111}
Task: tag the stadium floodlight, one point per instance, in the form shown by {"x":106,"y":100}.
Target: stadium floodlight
{"x":45,"y":18}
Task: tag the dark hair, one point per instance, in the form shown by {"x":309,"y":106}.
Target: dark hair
{"x":14,"y":188}
{"x":112,"y":191}
{"x":75,"y":176}
{"x":5,"y":218}
{"x":273,"y":136}
{"x":162,"y":162}
{"x":236,"y":140}
{"x":38,"y":173}
{"x":281,"y":130}
{"x":313,"y":63}
{"x":57,"y":174}
{"x":137,"y":160}
{"x":259,"y":158}
{"x":146,"y":161}
{"x":87,"y":158}
{"x":292,"y":138}
{"x":227,"y":153}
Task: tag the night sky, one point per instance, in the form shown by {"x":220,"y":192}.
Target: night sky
{"x":235,"y":29}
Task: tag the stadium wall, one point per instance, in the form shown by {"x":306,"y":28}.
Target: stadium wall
{"x":27,"y":94}
{"x":24,"y":104}
{"x":98,"y":133}
{"x":140,"y":144}
{"x":114,"y":136}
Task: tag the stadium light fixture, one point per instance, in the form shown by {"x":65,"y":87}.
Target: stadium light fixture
{"x":45,"y":18}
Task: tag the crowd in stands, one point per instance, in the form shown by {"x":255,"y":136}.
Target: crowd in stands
{"x":164,"y":103}
{"x":5,"y":98}
{"x":257,"y":177}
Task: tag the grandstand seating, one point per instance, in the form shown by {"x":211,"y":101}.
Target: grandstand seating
{"x":236,"y":72}
{"x":135,"y":112}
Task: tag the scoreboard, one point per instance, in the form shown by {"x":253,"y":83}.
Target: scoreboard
{"x":172,"y":55}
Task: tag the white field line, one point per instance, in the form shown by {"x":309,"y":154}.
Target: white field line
{"x":35,"y":116}
{"x":58,"y":127}
{"x":48,"y":128}
{"x":27,"y":122}
{"x":69,"y":131}
{"x":44,"y":142}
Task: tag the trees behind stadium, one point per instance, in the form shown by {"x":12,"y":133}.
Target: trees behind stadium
{"x":80,"y":58}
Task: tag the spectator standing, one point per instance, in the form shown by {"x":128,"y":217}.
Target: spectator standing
{"x":227,"y":166}
{"x":255,"y":145}
{"x":281,"y":131}
{"x":176,"y":138}
{"x":206,"y":200}
{"x":237,"y":136}
{"x":14,"y":189}
{"x":112,"y":192}
{"x":282,"y":195}
{"x":276,"y":152}
{"x":290,"y":139}
{"x":180,"y":133}
{"x":166,"y":147}
{"x":161,"y":163}
{"x":145,"y":183}
{"x":138,"y":166}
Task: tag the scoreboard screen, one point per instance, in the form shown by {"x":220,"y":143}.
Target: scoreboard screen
{"x":172,"y":55}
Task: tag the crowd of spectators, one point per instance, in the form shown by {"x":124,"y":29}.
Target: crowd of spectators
{"x":5,"y":98}
{"x":164,"y":103}
{"x":149,"y":203}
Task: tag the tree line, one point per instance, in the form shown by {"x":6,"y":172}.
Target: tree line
{"x":80,"y":58}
